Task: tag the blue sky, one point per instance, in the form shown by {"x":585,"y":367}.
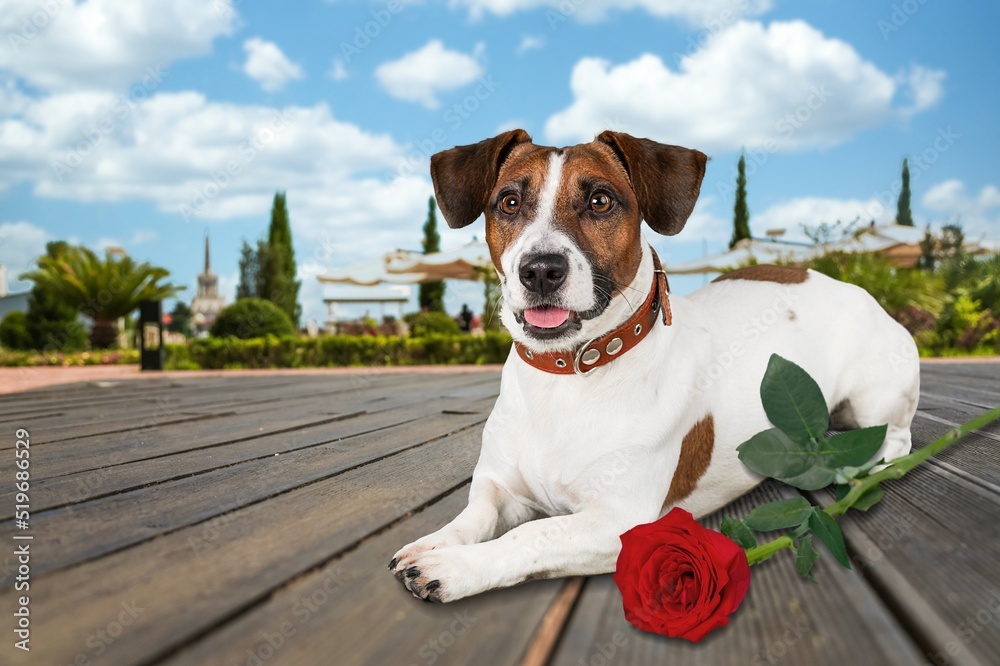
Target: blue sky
{"x":119,"y":121}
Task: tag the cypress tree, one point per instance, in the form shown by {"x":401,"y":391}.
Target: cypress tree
{"x":432,"y":293}
{"x":741,"y":212}
{"x":903,"y":214}
{"x":276,"y":264}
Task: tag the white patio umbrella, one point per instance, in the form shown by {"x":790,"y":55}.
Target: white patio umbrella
{"x":458,"y":264}
{"x":369,"y":273}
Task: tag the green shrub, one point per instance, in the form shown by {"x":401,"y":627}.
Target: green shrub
{"x":14,"y":331}
{"x":895,"y":289}
{"x":338,"y":351}
{"x":430,"y":323}
{"x":250,"y":318}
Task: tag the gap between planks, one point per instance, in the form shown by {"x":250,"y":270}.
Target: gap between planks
{"x":543,"y":643}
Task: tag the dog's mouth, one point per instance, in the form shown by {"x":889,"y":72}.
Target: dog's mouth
{"x":546,"y":322}
{"x":550,"y":321}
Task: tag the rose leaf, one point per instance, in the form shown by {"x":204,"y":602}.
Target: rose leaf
{"x":806,"y":557}
{"x":814,"y":478}
{"x":828,"y":531}
{"x":793,"y":401}
{"x":869,"y":499}
{"x":771,"y":453}
{"x":738,"y":532}
{"x":854,"y":447}
{"x":779,"y":515}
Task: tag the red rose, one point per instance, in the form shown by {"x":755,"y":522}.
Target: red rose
{"x":678,"y":578}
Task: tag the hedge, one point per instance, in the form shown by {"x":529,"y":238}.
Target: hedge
{"x":34,"y":359}
{"x":338,"y":351}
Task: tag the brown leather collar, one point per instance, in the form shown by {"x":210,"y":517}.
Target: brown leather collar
{"x":601,"y":351}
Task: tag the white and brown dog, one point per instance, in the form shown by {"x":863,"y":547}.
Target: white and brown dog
{"x":618,"y":403}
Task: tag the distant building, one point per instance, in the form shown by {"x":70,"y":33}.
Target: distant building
{"x":207,"y":303}
{"x":11,"y":302}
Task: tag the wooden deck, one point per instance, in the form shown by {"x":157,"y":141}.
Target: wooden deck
{"x":227,"y":521}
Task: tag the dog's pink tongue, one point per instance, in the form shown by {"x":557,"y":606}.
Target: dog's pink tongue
{"x":547,"y":317}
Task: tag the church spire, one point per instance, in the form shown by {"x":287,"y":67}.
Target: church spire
{"x":208,"y":267}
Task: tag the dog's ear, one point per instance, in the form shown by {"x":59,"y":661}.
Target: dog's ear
{"x":464,"y":176}
{"x":666,"y":179}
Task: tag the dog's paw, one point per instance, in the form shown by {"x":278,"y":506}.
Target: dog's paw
{"x":407,"y":555}
{"x":439,"y":575}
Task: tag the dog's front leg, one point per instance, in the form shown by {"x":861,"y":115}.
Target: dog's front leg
{"x":579,"y":544}
{"x":491,"y":511}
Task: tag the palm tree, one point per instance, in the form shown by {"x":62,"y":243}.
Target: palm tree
{"x":102,"y":289}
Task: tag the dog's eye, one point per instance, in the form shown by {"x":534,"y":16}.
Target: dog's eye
{"x":601,"y":202}
{"x":510,"y":204}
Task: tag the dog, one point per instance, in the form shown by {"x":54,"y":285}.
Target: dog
{"x":619,"y":401}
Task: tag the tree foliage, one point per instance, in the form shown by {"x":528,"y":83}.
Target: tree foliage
{"x":103,"y":289}
{"x":277,"y":264}
{"x":432,"y":293}
{"x":903,"y":214}
{"x":249,"y":271}
{"x":14,"y":332}
{"x":268,"y":270}
{"x":741,"y":212}
{"x":53,"y":324}
{"x":180,"y":319}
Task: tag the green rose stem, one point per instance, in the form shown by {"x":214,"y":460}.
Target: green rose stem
{"x":896,"y":470}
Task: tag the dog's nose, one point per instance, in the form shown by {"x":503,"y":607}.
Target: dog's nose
{"x":542,"y":274}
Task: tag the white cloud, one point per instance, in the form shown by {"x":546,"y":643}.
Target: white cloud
{"x":924,"y":86}
{"x":557,"y":11}
{"x":267,"y":65}
{"x":420,"y":75}
{"x":64,"y":45}
{"x":811,"y":212}
{"x":530,"y":43}
{"x":20,"y":244}
{"x":780,"y":87}
{"x":220,"y":161}
{"x":338,"y":72}
{"x":143,"y":236}
{"x":978,"y":214}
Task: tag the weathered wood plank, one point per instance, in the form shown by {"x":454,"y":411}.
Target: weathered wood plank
{"x":143,"y":412}
{"x":100,"y":452}
{"x":77,"y":487}
{"x":352,"y":612}
{"x":95,"y":528}
{"x":783,"y":617}
{"x":932,"y":547}
{"x":260,"y":547}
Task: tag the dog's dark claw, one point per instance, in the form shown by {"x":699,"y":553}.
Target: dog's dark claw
{"x":412,"y":572}
{"x":433,"y":585}
{"x":392,"y":564}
